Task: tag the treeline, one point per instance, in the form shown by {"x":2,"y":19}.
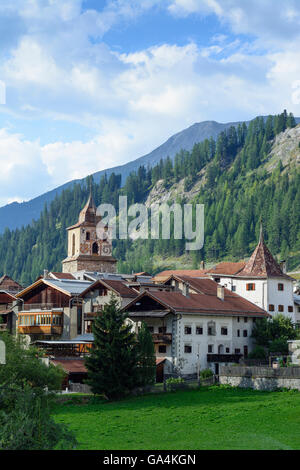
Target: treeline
{"x":235,"y":189}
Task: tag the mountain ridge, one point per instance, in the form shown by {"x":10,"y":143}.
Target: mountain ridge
{"x":15,"y":215}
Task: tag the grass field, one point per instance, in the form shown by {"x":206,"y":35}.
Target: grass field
{"x":208,"y":418}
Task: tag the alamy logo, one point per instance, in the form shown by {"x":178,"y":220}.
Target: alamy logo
{"x":2,"y":92}
{"x":140,"y":222}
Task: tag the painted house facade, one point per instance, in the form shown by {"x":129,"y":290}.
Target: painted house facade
{"x":197,"y":326}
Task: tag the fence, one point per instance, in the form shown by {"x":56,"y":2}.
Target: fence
{"x":263,"y":372}
{"x":260,"y":378}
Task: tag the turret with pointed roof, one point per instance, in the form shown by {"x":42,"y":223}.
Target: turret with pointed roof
{"x":262,"y":263}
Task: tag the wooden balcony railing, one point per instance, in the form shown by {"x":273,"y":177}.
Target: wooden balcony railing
{"x":165,"y":338}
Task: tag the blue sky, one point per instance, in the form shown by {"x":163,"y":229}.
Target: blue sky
{"x":94,"y":84}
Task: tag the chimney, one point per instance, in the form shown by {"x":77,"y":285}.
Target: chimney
{"x":220,"y":292}
{"x":282,"y":265}
{"x":46,"y":274}
{"x":186,"y":289}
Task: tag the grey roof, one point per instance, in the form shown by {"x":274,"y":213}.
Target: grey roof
{"x":74,"y":287}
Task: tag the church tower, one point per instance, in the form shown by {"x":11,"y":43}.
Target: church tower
{"x":86,"y":252}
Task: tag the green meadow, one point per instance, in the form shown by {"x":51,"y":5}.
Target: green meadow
{"x":215,"y":417}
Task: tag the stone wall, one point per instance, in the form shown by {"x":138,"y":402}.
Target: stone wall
{"x":260,"y":378}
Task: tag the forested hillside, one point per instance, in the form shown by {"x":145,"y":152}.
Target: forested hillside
{"x":232,"y":176}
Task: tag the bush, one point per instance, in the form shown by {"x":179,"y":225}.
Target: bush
{"x":206,"y":373}
{"x":175,"y":384}
{"x":26,"y":424}
{"x":258,"y":353}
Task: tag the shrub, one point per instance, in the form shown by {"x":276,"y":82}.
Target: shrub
{"x":206,"y":373}
{"x":175,"y":384}
{"x":26,"y":424}
{"x":258,"y":353}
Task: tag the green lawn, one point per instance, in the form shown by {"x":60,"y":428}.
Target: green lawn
{"x":209,"y":418}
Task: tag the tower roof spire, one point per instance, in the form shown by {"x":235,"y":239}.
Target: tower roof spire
{"x":262,"y":263}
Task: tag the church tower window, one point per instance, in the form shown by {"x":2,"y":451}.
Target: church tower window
{"x":95,"y":248}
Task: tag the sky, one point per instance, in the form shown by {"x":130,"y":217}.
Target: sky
{"x":91,"y":84}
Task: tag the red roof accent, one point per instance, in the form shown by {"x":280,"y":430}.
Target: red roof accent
{"x":227,"y":268}
{"x":63,"y":275}
{"x":160,"y":360}
{"x":71,"y":366}
{"x":182,"y":272}
{"x":262,"y":264}
{"x":232,"y":304}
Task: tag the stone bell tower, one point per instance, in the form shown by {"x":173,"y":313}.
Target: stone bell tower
{"x":85,"y":250}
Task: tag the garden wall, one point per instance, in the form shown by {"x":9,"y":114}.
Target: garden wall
{"x":260,"y":378}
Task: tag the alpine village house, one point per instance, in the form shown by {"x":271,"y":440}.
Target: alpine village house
{"x":198,"y":319}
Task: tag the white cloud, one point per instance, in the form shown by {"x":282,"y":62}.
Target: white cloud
{"x":133,"y":102}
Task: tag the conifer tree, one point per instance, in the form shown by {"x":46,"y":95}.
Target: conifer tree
{"x":112,"y":364}
{"x":146,"y":356}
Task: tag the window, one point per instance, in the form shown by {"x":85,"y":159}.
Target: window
{"x":233,"y":288}
{"x":271,"y":308}
{"x":187,"y":330}
{"x":245,"y":333}
{"x":280,"y":308}
{"x":73,"y":244}
{"x":237,"y":351}
{"x":246,"y":351}
{"x":224,"y":331}
{"x":151,"y":329}
{"x":88,"y":236}
{"x":187,"y":348}
{"x":162,"y":348}
{"x":245,"y":319}
{"x":95,"y":248}
{"x":227,"y":350}
{"x":299,"y":309}
{"x":217,"y":279}
{"x":238,"y":333}
{"x":280,"y":287}
{"x":250,"y":286}
{"x":210,"y":348}
{"x":211,"y":328}
{"x":290,"y":309}
{"x":238,"y":319}
{"x":162,"y":329}
{"x":199,"y":330}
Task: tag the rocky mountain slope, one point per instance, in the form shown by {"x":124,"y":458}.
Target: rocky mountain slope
{"x":17,"y":214}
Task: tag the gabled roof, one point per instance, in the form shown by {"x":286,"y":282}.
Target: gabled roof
{"x":119,"y":287}
{"x":262,"y":264}
{"x":227,"y":268}
{"x":66,"y":286}
{"x":202,"y":304}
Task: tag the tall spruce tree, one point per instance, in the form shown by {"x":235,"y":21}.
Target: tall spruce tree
{"x":146,"y":356}
{"x":113,"y":362}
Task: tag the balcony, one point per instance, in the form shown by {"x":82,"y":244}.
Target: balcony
{"x":162,"y":338}
{"x":40,"y":330}
{"x":40,"y":323}
{"x":229,"y":358}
